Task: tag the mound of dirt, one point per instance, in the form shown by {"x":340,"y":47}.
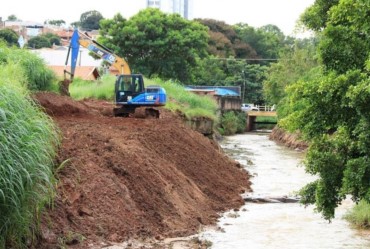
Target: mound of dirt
{"x":57,"y":105}
{"x":126,"y":178}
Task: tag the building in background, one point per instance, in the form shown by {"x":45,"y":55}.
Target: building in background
{"x":181,"y":7}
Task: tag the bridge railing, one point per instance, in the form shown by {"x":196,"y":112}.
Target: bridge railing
{"x":266,"y":108}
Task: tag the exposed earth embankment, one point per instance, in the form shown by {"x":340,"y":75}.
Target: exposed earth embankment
{"x":134,"y":178}
{"x":288,"y":139}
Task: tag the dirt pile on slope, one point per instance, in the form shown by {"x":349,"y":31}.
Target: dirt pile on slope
{"x":134,"y":178}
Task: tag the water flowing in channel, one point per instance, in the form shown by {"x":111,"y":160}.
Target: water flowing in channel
{"x":277,"y":172}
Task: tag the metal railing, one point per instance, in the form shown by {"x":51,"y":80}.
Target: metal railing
{"x":266,"y":108}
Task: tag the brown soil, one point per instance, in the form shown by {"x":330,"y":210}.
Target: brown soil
{"x":131,"y":178}
{"x":287,"y":139}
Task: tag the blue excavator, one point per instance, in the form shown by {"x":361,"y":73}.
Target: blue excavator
{"x":130,"y":94}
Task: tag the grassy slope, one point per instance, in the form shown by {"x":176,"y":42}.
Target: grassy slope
{"x":178,"y":99}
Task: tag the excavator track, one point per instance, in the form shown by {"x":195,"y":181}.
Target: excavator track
{"x":136,"y":112}
{"x":146,"y":112}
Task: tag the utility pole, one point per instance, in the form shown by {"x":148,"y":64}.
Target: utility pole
{"x":243,"y":86}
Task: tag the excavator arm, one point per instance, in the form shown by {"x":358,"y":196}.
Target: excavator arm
{"x":81,"y":39}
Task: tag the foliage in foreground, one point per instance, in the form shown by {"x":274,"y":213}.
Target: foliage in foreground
{"x":333,"y":115}
{"x":178,"y":99}
{"x":37,"y":76}
{"x":28,"y":142}
{"x":332,"y":110}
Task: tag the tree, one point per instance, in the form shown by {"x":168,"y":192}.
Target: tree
{"x":157,"y":44}
{"x":9,"y":35}
{"x":44,"y":41}
{"x":225,"y":42}
{"x":316,"y":16}
{"x":219,"y":45}
{"x":39,"y":42}
{"x":12,"y":18}
{"x":53,"y":38}
{"x":295,"y":63}
{"x":76,"y":24}
{"x":90,"y":20}
{"x":209,"y":71}
{"x":55,"y":22}
{"x":332,"y":111}
{"x":249,"y":77}
{"x":267,"y":41}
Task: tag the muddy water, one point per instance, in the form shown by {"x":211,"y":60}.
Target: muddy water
{"x":277,"y":172}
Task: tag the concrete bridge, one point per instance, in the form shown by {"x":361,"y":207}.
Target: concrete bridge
{"x":263,"y":111}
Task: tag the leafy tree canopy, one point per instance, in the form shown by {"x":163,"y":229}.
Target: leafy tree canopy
{"x":298,"y":62}
{"x":44,"y":41}
{"x":55,"y":22}
{"x":316,"y":16}
{"x":90,"y":20}
{"x":225,"y":42}
{"x":249,"y":77}
{"x":39,"y":42}
{"x":332,"y":110}
{"x":12,"y":18}
{"x":53,"y":38}
{"x":9,"y":35}
{"x":267,"y":41}
{"x":154,"y":43}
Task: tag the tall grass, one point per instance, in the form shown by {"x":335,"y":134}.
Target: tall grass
{"x":192,"y":105}
{"x":100,"y":89}
{"x":37,"y":75}
{"x":28,"y":142}
{"x":359,"y":216}
{"x":178,"y":99}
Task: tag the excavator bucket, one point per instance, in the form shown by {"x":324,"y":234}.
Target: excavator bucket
{"x":64,"y":87}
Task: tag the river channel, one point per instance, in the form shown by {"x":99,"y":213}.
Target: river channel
{"x":277,"y":171}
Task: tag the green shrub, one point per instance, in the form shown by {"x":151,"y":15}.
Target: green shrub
{"x":232,"y":122}
{"x":360,"y":215}
{"x":28,"y":143}
{"x":242,"y":122}
{"x":229,"y":123}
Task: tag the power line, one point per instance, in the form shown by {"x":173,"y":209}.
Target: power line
{"x":250,"y":59}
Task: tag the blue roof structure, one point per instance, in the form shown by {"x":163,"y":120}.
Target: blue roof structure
{"x":220,"y":90}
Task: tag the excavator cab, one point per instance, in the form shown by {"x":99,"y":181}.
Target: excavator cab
{"x":128,"y":87}
{"x":132,"y":97}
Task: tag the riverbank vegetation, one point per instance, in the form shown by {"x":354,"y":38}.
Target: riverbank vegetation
{"x":28,"y":143}
{"x":232,"y":122}
{"x":360,"y":215}
{"x":326,"y":99}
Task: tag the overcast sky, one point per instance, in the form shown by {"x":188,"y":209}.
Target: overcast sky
{"x":256,"y":13}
